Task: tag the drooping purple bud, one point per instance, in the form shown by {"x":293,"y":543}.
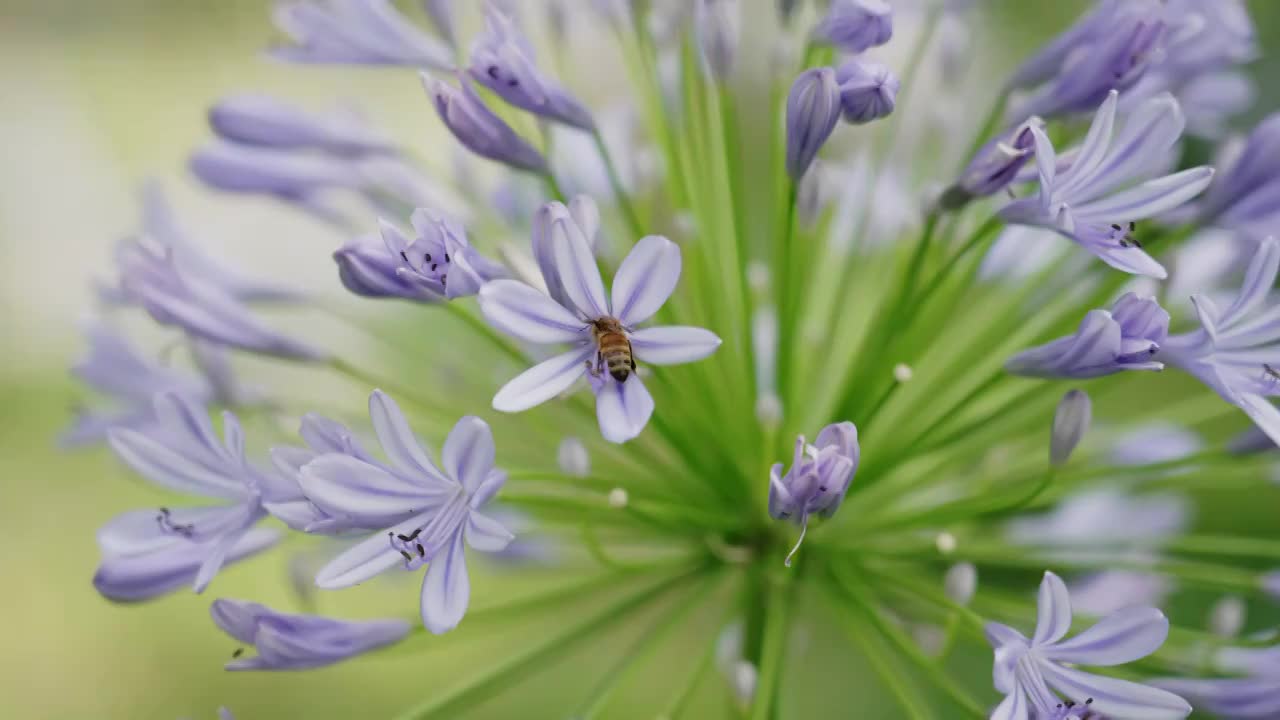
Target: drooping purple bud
{"x":1070,"y":423}
{"x":813,"y":109}
{"x":855,"y":25}
{"x":478,"y":128}
{"x":868,"y":91}
{"x":719,"y":26}
{"x":994,"y":167}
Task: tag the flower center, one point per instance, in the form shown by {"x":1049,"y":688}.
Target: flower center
{"x":420,"y":544}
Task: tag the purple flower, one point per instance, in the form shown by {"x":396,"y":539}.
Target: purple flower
{"x":719,"y":28}
{"x":478,"y":128}
{"x":1126,"y":338}
{"x":443,"y":16}
{"x":1108,"y":50}
{"x":1254,"y":696}
{"x":301,"y":179}
{"x":366,"y":268}
{"x":323,"y":437}
{"x":577,"y":312}
{"x":856,"y":25}
{"x":115,"y":369}
{"x":1246,"y":193}
{"x":503,"y":61}
{"x":867,"y":91}
{"x":818,"y":479}
{"x":1086,"y":202}
{"x":1233,"y":351}
{"x":439,"y":257}
{"x":427,"y":513}
{"x":149,"y":552}
{"x":813,"y":109}
{"x":172,"y":296}
{"x":1103,"y":518}
{"x":270,"y":122}
{"x":355,"y":32}
{"x":1025,"y":669}
{"x":299,"y":642}
{"x":995,"y":166}
{"x":1070,"y":422}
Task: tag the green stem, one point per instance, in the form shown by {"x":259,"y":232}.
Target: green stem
{"x":553,"y":185}
{"x":370,"y":381}
{"x":615,"y":181}
{"x":777,"y":621}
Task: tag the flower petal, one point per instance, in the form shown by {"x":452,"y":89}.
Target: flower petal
{"x":623,"y":408}
{"x":371,"y":496}
{"x":131,"y":578}
{"x":486,"y":534}
{"x":366,"y":558}
{"x":1046,"y":161}
{"x":1265,"y":415}
{"x":1115,"y":698}
{"x":469,"y":452}
{"x":1121,"y":637}
{"x":397,"y":438}
{"x":577,"y":269}
{"x":1094,"y":148}
{"x":522,"y":311}
{"x":1259,"y":279}
{"x":1053,"y":611}
{"x":672,"y":344}
{"x":646,"y":278}
{"x":543,"y":381}
{"x":238,"y":618}
{"x":169,"y":469}
{"x":1149,"y":199}
{"x":1013,"y":707}
{"x":446,"y":589}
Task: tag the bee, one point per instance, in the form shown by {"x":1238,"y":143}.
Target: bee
{"x":613,"y":349}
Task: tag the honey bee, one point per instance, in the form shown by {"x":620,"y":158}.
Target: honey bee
{"x":613,"y":349}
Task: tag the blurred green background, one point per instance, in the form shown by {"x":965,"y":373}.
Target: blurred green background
{"x":97,"y":95}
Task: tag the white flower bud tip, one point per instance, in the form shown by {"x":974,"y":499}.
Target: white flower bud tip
{"x":902,"y":372}
{"x":618,"y":498}
{"x":945,"y":542}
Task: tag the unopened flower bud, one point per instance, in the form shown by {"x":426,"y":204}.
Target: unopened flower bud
{"x":813,"y":109}
{"x":855,"y":25}
{"x":868,"y":91}
{"x":960,"y":582}
{"x":719,"y":26}
{"x":1070,"y":422}
{"x":618,"y":498}
{"x":573,"y":458}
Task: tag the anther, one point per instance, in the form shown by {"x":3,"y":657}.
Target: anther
{"x":433,"y":267}
{"x":404,"y":256}
{"x":428,"y":257}
{"x":237,"y":653}
{"x":421,"y":551}
{"x":446,"y":257}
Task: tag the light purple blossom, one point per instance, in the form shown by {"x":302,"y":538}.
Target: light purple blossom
{"x":995,"y":166}
{"x":1255,"y":695}
{"x":1107,"y":50}
{"x":152,"y":277}
{"x":302,"y":179}
{"x":366,"y":268}
{"x":117,"y":370}
{"x":1094,"y":201}
{"x":1245,"y":195}
{"x":813,"y":109}
{"x":818,"y":479}
{"x":1126,"y":338}
{"x":856,"y":25}
{"x":719,"y":27}
{"x":149,"y":552}
{"x":1233,"y":352}
{"x":1070,"y":423}
{"x":428,"y":513}
{"x":1026,"y":669}
{"x":270,"y":122}
{"x":323,"y":437}
{"x":503,"y":61}
{"x":868,"y":90}
{"x":575,"y":309}
{"x":298,"y":642}
{"x":1105,"y":592}
{"x":1101,"y":519}
{"x":444,"y":17}
{"x":355,"y":32}
{"x":439,"y":257}
{"x":478,"y":128}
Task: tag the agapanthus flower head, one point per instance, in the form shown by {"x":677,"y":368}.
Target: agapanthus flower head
{"x":819,"y":477}
{"x":298,"y":642}
{"x":1097,"y":199}
{"x":1027,"y":668}
{"x":813,"y":109}
{"x":479,"y":128}
{"x":355,"y":32}
{"x":607,"y":343}
{"x":427,"y":513}
{"x":150,"y":552}
{"x":856,"y":25}
{"x":503,"y":61}
{"x":868,"y":90}
{"x":1125,"y":338}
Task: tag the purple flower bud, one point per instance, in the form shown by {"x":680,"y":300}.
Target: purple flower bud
{"x":994,"y":167}
{"x":868,"y":91}
{"x":299,"y":179}
{"x":719,"y":27}
{"x":1125,"y":338}
{"x":355,"y":32}
{"x":368,"y":269}
{"x":1246,"y":192}
{"x":299,"y":642}
{"x":478,"y":128}
{"x":270,"y":122}
{"x":813,"y":109}
{"x":1070,"y":423}
{"x":855,"y":25}
{"x":818,"y":479}
{"x":503,"y":61}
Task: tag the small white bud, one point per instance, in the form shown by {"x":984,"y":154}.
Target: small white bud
{"x":618,"y":498}
{"x":1070,"y":422}
{"x":744,"y":681}
{"x":945,"y":542}
{"x":961,"y":582}
{"x":758,"y":276}
{"x":1227,"y":616}
{"x":572,"y":457}
{"x":769,"y":409}
{"x":902,"y":372}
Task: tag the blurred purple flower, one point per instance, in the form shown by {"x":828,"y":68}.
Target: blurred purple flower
{"x":1254,"y":696}
{"x":1126,"y":338}
{"x":856,"y":25}
{"x":1025,"y":669}
{"x":301,"y":179}
{"x":478,"y":128}
{"x":813,"y":109}
{"x":267,"y":121}
{"x":816,"y":482}
{"x":323,"y":437}
{"x":1245,"y":195}
{"x":719,"y":30}
{"x":577,"y":312}
{"x":503,"y":61}
{"x":1103,"y":518}
{"x":299,"y":642}
{"x":995,"y":166}
{"x":427,"y":513}
{"x":355,"y":32}
{"x":868,"y":91}
{"x":1086,"y":202}
{"x":439,"y":257}
{"x":149,"y":552}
